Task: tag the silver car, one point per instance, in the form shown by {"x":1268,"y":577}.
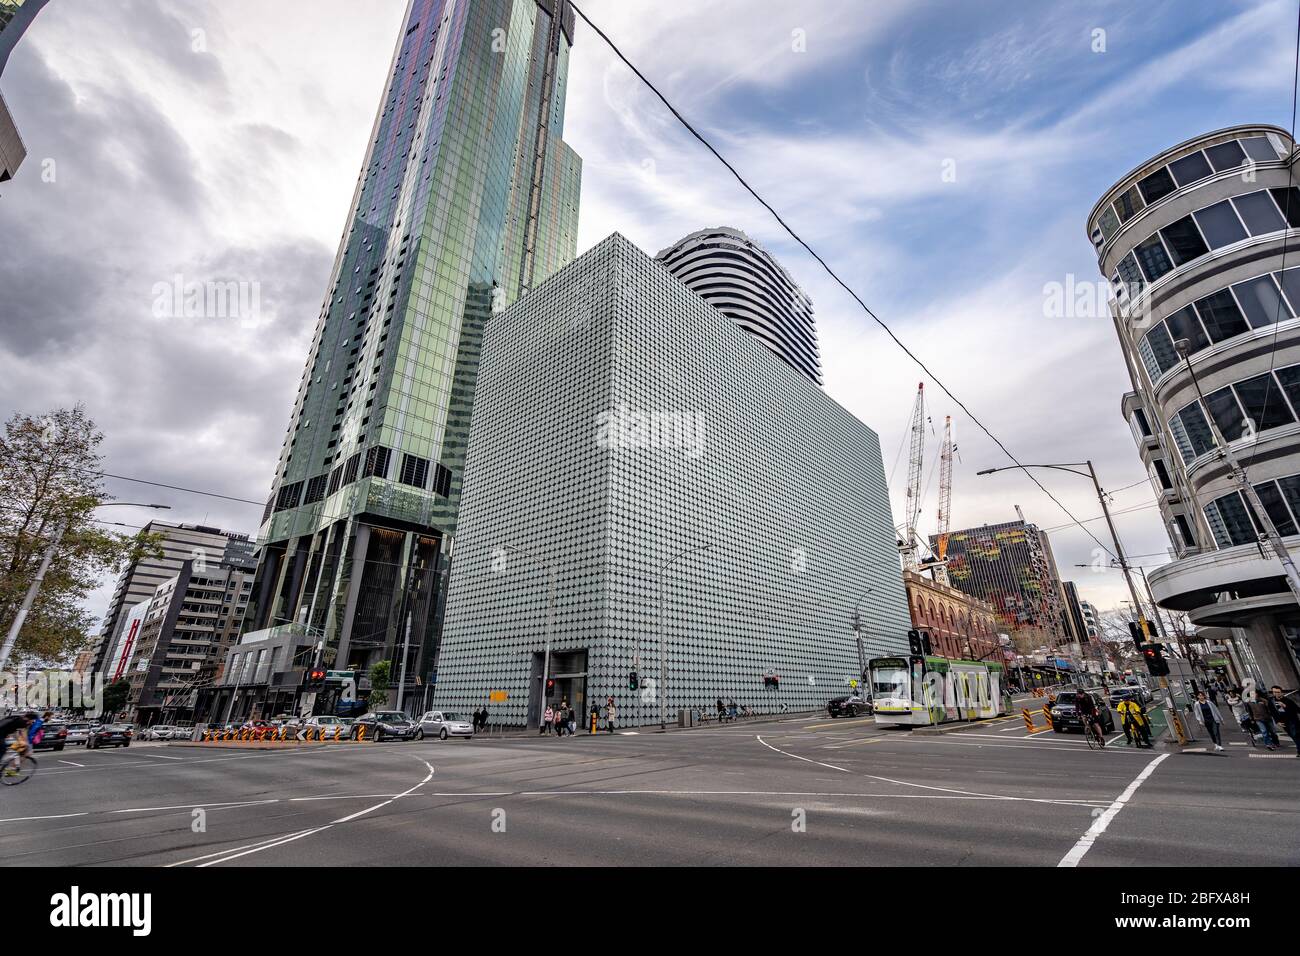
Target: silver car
{"x":78,"y":733}
{"x":443,"y":724}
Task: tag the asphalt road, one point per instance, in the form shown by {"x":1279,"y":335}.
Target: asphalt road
{"x":795,"y":792}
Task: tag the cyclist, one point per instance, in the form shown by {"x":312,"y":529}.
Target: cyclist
{"x":1087,"y":708}
{"x":18,"y":726}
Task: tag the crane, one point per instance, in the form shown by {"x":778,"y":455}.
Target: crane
{"x":945,"y":503}
{"x":907,"y":547}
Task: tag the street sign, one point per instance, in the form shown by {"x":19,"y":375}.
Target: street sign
{"x":498,"y":696}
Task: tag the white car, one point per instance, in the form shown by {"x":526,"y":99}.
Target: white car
{"x":443,"y":724}
{"x":326,"y":722}
{"x":162,"y":732}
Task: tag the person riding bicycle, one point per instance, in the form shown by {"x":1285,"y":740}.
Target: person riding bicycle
{"x":1136,"y":724}
{"x":20,"y":727}
{"x":1087,"y":709}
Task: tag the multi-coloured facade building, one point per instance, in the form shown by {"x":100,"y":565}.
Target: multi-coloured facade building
{"x":468,"y":198}
{"x":1011,"y":567}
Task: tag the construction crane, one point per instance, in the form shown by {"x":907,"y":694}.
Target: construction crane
{"x":907,"y":547}
{"x":945,"y":503}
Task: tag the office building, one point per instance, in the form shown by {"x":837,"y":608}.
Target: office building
{"x":139,"y":581}
{"x":740,"y":279}
{"x":175,"y":644}
{"x":650,"y":491}
{"x":15,"y":17}
{"x":468,"y":198}
{"x":1196,"y":242}
{"x":1011,"y":567}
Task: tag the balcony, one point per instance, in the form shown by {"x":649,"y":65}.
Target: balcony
{"x":1253,"y":581}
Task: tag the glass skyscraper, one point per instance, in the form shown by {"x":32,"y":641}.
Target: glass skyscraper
{"x":468,"y":198}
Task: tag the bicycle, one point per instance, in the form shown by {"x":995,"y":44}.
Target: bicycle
{"x":1092,"y":732}
{"x":17,"y":766}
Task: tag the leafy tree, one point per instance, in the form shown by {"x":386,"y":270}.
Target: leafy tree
{"x":115,"y":695}
{"x":379,"y":675}
{"x":49,"y":480}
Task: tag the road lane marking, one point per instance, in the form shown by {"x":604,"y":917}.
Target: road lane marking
{"x":266,"y":846}
{"x":1100,"y":824}
{"x":921,"y":786}
{"x":161,"y":757}
{"x":197,"y":806}
{"x":72,"y":763}
{"x":53,"y":816}
{"x":208,"y":856}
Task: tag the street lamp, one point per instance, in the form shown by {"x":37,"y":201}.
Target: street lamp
{"x":30,"y":599}
{"x":857,"y":633}
{"x":1072,"y":467}
{"x":663,"y":637}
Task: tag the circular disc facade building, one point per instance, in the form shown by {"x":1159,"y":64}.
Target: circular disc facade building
{"x":740,"y":279}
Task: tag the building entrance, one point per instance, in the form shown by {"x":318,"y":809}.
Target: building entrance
{"x":566,"y":684}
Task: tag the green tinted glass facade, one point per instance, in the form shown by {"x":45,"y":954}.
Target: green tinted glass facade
{"x":468,"y":198}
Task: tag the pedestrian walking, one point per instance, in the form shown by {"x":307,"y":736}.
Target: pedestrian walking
{"x":722,"y":711}
{"x":1285,"y":712}
{"x":1208,"y":714}
{"x":1262,"y":715}
{"x":548,"y":718}
{"x":573,"y":721}
{"x":611,"y":715}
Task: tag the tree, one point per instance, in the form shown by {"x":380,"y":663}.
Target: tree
{"x":115,"y":695}
{"x":379,"y":674}
{"x":49,"y":479}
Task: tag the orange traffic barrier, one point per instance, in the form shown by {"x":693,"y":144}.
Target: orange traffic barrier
{"x":1031,"y":724}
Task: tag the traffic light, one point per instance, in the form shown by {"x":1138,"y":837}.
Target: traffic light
{"x":1141,"y":632}
{"x":314,"y":679}
{"x":919,"y":642}
{"x":1157,"y":666}
{"x":633,"y":681}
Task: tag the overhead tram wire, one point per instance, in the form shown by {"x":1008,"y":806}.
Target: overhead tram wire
{"x":829,"y":271}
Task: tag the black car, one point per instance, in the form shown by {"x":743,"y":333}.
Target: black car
{"x":109,"y":735}
{"x":55,"y":737}
{"x":849,"y":706}
{"x":385,"y":725}
{"x":1065,"y":712}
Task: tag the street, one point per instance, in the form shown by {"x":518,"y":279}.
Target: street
{"x":801,"y":791}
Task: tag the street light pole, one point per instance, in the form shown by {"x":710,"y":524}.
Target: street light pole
{"x":663,"y":637}
{"x":1175,"y":724}
{"x":29,"y":599}
{"x":857,"y":633}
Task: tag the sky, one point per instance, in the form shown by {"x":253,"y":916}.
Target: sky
{"x":942,"y":157}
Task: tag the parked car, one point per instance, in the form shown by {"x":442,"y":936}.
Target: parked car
{"x":443,"y":724}
{"x":55,"y":737}
{"x":78,"y":733}
{"x":1065,"y":712}
{"x":385,"y":724}
{"x":326,"y":722}
{"x":851,"y":705}
{"x":110,"y":735}
{"x":162,"y":732}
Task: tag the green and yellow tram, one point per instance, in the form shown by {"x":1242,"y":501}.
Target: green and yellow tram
{"x":919,"y":690}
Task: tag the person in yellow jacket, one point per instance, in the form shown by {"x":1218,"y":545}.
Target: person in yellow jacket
{"x":1133,"y":717}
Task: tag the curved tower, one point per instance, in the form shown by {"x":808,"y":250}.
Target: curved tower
{"x":1202,"y":245}
{"x":740,"y":279}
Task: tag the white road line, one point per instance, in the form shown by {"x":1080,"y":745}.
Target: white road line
{"x":71,"y":763}
{"x":53,"y":816}
{"x":197,"y":806}
{"x":350,"y":796}
{"x":1100,"y":824}
{"x":161,"y":757}
{"x":266,"y":846}
{"x":208,"y":856}
{"x":922,"y":786}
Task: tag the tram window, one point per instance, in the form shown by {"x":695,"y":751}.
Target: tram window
{"x":889,"y":682}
